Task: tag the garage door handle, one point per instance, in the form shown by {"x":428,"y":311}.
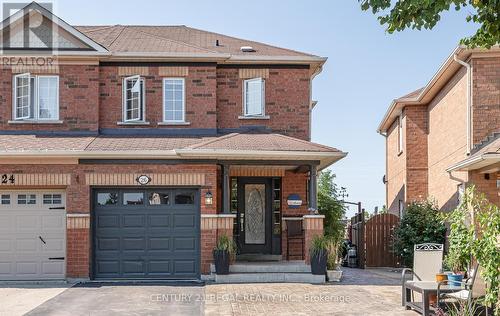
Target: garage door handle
{"x":57,"y":208}
{"x":56,"y":258}
{"x":42,"y":239}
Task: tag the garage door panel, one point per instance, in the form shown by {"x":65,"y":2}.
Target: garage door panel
{"x":6,"y":269}
{"x":53,"y":223}
{"x":27,"y":268}
{"x":145,"y":241}
{"x":133,"y":221}
{"x":27,"y":244}
{"x":6,"y":224}
{"x":105,"y":221}
{"x":159,"y":221}
{"x":27,"y":223}
{"x":53,"y":267}
{"x":53,"y":245}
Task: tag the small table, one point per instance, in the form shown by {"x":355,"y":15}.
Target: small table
{"x":425,"y":288}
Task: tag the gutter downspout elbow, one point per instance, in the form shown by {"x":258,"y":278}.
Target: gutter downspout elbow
{"x":469,"y":100}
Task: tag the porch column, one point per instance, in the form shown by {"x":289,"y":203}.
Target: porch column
{"x":313,"y":196}
{"x":225,"y":189}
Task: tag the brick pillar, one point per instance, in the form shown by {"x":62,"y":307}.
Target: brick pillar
{"x":78,"y":231}
{"x":212,"y":227}
{"x":313,"y":226}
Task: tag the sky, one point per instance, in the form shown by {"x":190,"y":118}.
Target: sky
{"x":366,"y":69}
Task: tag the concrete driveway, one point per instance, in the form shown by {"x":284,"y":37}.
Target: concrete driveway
{"x":20,"y":298}
{"x":362,"y":292}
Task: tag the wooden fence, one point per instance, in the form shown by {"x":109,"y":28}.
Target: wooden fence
{"x":379,"y":239}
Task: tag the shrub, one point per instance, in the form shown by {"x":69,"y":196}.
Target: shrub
{"x":422,"y":222}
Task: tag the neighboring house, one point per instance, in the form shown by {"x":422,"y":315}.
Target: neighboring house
{"x":447,"y":134}
{"x":138,"y":146}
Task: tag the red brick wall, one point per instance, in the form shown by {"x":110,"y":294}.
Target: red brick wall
{"x":200,"y":88}
{"x":486,"y":186}
{"x":287,"y":101}
{"x":486,"y":97}
{"x":416,"y":152}
{"x":78,"y":100}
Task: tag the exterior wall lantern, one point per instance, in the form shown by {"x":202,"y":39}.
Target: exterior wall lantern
{"x":209,"y":199}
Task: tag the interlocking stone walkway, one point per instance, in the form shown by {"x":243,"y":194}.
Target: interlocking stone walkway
{"x":362,"y":292}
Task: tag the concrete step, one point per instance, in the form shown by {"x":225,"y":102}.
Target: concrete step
{"x":267,"y":267}
{"x":270,"y":278}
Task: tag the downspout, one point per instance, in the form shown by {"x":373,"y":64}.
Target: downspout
{"x":386,"y":165}
{"x":469,"y":100}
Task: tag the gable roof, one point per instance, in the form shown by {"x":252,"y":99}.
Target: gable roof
{"x":424,"y":95}
{"x":485,"y":156}
{"x":35,"y":7}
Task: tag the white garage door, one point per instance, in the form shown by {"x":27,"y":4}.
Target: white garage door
{"x":32,"y":235}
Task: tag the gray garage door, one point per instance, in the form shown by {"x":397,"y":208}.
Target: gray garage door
{"x":146,"y":234}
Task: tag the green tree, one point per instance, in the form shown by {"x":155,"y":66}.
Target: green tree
{"x":417,"y":14}
{"x":421,"y":223}
{"x":330,"y":206}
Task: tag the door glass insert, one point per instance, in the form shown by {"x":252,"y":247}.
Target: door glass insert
{"x":158,"y":198}
{"x":52,"y":199}
{"x":5,"y":199}
{"x":184,"y":198}
{"x":255,"y":209}
{"x":107,"y":198}
{"x":133,"y":198}
{"x":24,"y":199}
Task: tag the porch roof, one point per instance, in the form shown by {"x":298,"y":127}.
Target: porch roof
{"x":486,"y":159}
{"x":235,"y":146}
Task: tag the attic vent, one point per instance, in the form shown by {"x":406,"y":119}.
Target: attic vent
{"x":247,"y":49}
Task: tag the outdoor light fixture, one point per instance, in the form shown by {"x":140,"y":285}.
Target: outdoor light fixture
{"x":209,"y":199}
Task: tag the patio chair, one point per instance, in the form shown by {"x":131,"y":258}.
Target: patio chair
{"x":474,"y":288}
{"x":427,"y":262}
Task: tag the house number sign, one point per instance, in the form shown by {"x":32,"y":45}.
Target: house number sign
{"x":143,"y":180}
{"x":8,"y":179}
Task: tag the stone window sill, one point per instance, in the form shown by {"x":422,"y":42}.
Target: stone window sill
{"x":132,"y":123}
{"x":265,"y":117}
{"x":173,"y":123}
{"x":35,"y":122}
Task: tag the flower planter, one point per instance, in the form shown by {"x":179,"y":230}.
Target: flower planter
{"x":455,"y":279}
{"x":318,"y":262}
{"x":221,"y":260}
{"x":334,"y":275}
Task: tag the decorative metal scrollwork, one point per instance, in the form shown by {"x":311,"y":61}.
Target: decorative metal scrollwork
{"x":429,"y":247}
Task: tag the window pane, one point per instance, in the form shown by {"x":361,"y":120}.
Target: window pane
{"x":108,"y":198}
{"x":134,"y":90}
{"x":173,"y":102}
{"x":158,"y":198}
{"x":47,"y":97}
{"x":253,"y":97}
{"x":5,"y":199}
{"x":133,"y":198}
{"x":22,"y":96}
{"x":184,"y":198}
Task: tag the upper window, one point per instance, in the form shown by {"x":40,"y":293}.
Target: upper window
{"x":133,"y":99}
{"x":174,"y":102}
{"x":400,"y":134}
{"x":254,"y":97}
{"x":36,"y":97}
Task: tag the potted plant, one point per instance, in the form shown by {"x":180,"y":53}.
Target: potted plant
{"x":319,"y":255}
{"x":458,"y":266}
{"x":223,"y":252}
{"x":333,"y":273}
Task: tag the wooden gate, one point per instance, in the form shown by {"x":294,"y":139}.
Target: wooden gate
{"x":356,"y":235}
{"x":378,"y":238}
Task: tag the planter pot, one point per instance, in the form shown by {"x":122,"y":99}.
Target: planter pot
{"x":441,"y":277}
{"x":318,"y":263}
{"x":334,"y":275}
{"x":221,"y":260}
{"x":455,"y":279}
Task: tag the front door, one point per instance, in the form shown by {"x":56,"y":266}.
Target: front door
{"x":254,"y":215}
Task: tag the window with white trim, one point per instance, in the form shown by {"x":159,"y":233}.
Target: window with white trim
{"x":36,"y":97}
{"x":133,"y":99}
{"x":400,"y":134}
{"x":254,"y":97}
{"x":174,"y":103}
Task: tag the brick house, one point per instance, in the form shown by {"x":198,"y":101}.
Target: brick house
{"x":447,"y":134}
{"x":125,"y":151}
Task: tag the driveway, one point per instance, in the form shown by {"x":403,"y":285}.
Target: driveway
{"x":362,"y":292}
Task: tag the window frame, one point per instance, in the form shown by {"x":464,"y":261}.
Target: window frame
{"x":36,"y":101}
{"x":263,"y":97}
{"x":164,"y":101}
{"x":400,"y":134}
{"x":142,"y":99}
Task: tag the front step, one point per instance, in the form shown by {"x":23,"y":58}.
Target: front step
{"x":270,"y":278}
{"x":268,"y":272}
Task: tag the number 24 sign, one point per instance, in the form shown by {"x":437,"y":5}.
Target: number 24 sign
{"x":6,"y":179}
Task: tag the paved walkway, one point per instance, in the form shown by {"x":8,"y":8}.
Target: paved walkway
{"x":362,"y":292}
